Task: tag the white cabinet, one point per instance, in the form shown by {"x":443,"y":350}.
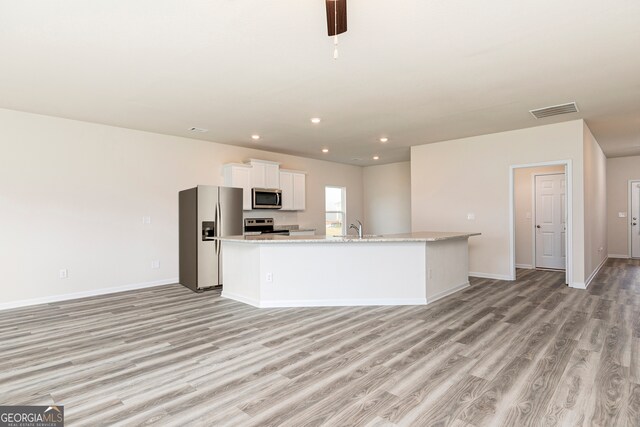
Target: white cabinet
{"x":239,"y":175}
{"x":264,"y":174}
{"x":292,"y":184}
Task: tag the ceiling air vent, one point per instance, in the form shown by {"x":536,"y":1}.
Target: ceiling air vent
{"x":555,"y":110}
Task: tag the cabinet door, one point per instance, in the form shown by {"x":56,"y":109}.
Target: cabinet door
{"x":286,"y":185}
{"x":271,"y":176}
{"x":299,"y":182}
{"x":258,"y":175}
{"x":242,"y":179}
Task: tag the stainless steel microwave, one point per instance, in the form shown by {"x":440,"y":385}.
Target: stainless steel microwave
{"x":266,"y":198}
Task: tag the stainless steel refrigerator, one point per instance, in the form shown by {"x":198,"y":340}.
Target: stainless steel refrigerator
{"x":205,"y":212}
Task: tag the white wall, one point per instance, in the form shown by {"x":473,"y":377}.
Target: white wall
{"x":620,"y":171}
{"x":471,"y":175}
{"x":595,"y":205}
{"x":387,"y":198}
{"x":73,"y":194}
{"x":524,"y":188}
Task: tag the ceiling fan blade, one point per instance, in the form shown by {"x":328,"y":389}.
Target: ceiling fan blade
{"x":341,"y":15}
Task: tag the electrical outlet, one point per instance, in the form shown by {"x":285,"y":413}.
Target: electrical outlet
{"x":146,"y":220}
{"x":269,"y":277}
{"x":63,"y":273}
{"x":155,"y":264}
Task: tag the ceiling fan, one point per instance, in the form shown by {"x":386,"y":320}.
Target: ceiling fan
{"x":336,"y":21}
{"x":336,"y":16}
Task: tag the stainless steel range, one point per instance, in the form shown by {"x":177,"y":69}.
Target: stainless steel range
{"x":254,"y":226}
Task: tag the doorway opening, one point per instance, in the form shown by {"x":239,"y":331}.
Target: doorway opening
{"x":540,"y":215}
{"x":634,"y":219}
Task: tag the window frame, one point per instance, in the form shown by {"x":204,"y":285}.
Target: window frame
{"x":343,"y":212}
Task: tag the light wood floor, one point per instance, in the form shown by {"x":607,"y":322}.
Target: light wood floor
{"x":531,"y":352}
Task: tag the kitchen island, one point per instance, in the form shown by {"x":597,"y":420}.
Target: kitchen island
{"x":298,"y":271}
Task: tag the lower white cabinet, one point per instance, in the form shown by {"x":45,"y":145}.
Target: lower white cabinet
{"x":292,"y":184}
{"x":239,"y":175}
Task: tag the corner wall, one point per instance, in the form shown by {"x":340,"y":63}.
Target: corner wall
{"x":451,"y":179}
{"x":73,"y":194}
{"x":595,"y":205}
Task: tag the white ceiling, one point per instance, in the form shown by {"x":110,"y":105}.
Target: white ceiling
{"x":416,"y":71}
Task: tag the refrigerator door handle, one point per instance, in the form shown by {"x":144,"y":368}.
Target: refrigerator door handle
{"x":218,"y":227}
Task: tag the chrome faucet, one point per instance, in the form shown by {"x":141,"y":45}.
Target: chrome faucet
{"x":358,"y":228}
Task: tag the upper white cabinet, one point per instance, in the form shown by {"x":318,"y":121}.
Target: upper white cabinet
{"x":239,"y":175}
{"x":292,"y":184}
{"x":264,"y":174}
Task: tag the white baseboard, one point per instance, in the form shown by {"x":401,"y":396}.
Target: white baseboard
{"x":325,"y":302}
{"x":594,"y":274}
{"x":490,"y":276}
{"x":618,"y":256}
{"x":240,"y":298}
{"x":525,"y":266}
{"x":448,"y":292}
{"x":85,"y":294}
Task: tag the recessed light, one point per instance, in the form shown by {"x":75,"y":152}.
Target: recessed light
{"x":325,"y":150}
{"x":255,"y":137}
{"x":384,"y":139}
{"x":375,"y":157}
{"x":315,"y":120}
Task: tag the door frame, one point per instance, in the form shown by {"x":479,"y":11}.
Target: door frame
{"x":512,"y":221}
{"x":533,"y":214}
{"x":629,"y":207}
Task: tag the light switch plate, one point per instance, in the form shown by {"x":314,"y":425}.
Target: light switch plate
{"x":622,"y":214}
{"x":471,"y":216}
{"x":146,"y":220}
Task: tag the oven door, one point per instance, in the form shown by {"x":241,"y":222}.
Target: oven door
{"x":266,"y":198}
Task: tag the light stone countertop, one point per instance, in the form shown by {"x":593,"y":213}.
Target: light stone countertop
{"x":422,"y":236}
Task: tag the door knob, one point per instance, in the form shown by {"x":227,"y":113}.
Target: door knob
{"x":634,"y":223}
{"x":537,"y":226}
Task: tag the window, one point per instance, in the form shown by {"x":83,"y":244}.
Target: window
{"x":335,"y":201}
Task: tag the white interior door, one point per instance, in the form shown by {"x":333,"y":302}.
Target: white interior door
{"x":551,"y":221}
{"x":635,"y":219}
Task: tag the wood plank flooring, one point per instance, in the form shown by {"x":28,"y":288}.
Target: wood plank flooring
{"x":529,"y":352}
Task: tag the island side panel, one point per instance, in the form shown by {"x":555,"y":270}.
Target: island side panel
{"x":447,"y":267}
{"x":349,"y":273}
{"x":241,"y":272}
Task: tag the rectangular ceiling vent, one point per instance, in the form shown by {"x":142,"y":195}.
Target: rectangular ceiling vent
{"x":198,"y":130}
{"x":555,"y":110}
